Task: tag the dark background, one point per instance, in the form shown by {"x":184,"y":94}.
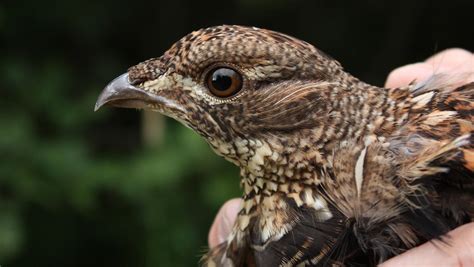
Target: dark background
{"x":119,"y":188}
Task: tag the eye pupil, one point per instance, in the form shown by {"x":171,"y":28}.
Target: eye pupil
{"x":224,"y":82}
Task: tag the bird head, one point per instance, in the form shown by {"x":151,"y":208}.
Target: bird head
{"x":236,"y":86}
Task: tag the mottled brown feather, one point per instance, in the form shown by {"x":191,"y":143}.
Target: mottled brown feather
{"x":335,"y":172}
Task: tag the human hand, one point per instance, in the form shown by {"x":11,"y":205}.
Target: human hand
{"x":450,"y":61}
{"x":224,"y":221}
{"x":460,"y":251}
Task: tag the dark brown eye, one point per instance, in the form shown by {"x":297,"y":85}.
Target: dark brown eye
{"x":224,"y":82}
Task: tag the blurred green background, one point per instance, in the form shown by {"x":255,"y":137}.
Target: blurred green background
{"x":120,"y":188}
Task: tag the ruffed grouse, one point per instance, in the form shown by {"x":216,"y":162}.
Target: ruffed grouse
{"x":335,"y":172}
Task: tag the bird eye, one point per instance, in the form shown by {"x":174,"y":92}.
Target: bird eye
{"x":224,"y":82}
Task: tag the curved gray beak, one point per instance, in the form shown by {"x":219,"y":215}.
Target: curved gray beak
{"x":120,"y":93}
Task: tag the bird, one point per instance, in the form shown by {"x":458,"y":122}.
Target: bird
{"x":334,"y":171}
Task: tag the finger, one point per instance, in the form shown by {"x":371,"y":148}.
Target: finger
{"x":452,"y":60}
{"x":222,"y":225}
{"x":457,"y":252}
{"x":403,"y":76}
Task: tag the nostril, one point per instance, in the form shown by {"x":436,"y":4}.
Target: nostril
{"x":136,"y":81}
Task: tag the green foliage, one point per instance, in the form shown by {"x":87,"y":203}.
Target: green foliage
{"x":166,"y":195}
{"x":79,"y":188}
{"x":132,"y":204}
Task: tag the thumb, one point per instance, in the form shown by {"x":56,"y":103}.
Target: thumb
{"x":456,"y":250}
{"x":224,"y":221}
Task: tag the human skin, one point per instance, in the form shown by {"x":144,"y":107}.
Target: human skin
{"x":458,"y":251}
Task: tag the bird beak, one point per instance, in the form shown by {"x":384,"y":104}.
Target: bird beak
{"x":120,"y":93}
